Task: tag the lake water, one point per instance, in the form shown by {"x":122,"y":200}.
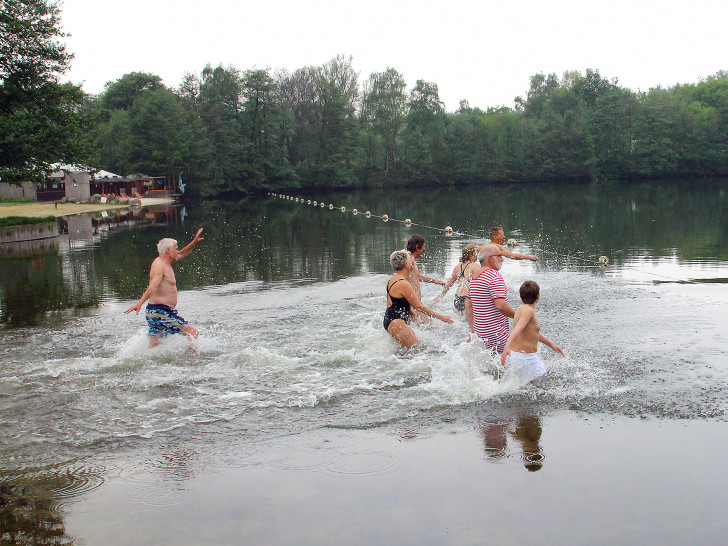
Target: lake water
{"x":299,"y":420}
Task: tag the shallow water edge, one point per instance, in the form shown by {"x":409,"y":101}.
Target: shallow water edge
{"x":509,"y":479}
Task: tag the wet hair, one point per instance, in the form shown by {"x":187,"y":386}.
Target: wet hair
{"x":494,"y":230}
{"x":415,"y":242}
{"x":398,"y":259}
{"x":529,"y":291}
{"x":468,"y":251}
{"x":487,"y":252}
{"x":164,"y":245}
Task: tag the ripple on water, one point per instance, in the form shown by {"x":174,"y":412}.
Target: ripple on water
{"x":362,"y":463}
{"x":57,"y":483}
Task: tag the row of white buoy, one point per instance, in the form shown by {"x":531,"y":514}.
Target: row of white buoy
{"x":447,"y":230}
{"x":368,"y":214}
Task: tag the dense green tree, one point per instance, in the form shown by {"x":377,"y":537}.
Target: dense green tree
{"x":121,"y":94}
{"x":384,"y":108}
{"x":266,"y":122}
{"x":220,"y":106}
{"x":145,"y":128}
{"x":161,"y":134}
{"x":250,"y":131}
{"x":324,"y":145}
{"x":425,"y":150}
{"x":41,"y":120}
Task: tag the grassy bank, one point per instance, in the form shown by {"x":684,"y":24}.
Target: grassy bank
{"x":24,"y":220}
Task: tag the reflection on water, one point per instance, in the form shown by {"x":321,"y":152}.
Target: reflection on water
{"x":28,"y":513}
{"x":524,"y":429}
{"x":32,"y":500}
{"x":66,"y":274}
{"x":289,"y":301}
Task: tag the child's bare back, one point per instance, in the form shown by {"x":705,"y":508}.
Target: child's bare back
{"x":526,"y":331}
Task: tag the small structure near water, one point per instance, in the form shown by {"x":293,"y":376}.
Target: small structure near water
{"x":78,"y":184}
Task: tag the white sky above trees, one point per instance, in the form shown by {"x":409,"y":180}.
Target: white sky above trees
{"x":483,"y":51}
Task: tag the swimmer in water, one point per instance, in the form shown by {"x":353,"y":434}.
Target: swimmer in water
{"x":161,"y":315}
{"x":401,"y":298}
{"x":522,"y":344}
{"x":466,"y":269}
{"x":498,"y":237}
{"x":416,"y":247}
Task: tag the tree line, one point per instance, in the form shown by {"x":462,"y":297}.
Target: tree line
{"x":235,"y":131}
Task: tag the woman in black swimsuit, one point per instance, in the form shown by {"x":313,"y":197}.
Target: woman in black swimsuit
{"x":400,"y":298}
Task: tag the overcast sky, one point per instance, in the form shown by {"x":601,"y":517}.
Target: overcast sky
{"x":482,"y":51}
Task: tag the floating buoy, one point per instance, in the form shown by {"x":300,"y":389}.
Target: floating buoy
{"x":448,"y":230}
{"x":603,"y":260}
{"x":308,"y":202}
{"x":385,"y":218}
{"x":323,"y":205}
{"x":408,"y":222}
{"x":331,"y":206}
{"x":354,"y":212}
{"x":511,"y":243}
{"x":315,"y":203}
{"x":343,"y":209}
{"x":368,"y":214}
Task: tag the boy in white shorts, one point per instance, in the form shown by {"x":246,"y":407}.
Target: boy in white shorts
{"x":522,"y":344}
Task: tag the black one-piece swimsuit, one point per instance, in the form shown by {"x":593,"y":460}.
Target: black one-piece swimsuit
{"x":400,"y":308}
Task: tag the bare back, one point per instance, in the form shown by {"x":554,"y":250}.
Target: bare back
{"x":464,"y":272}
{"x":527,"y":340}
{"x":166,"y":291}
{"x":414,"y":278}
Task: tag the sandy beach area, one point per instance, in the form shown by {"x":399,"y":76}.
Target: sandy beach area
{"x":40,"y":210}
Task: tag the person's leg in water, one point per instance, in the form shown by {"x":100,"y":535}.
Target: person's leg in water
{"x":402,"y":332}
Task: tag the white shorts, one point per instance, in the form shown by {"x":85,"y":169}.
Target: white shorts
{"x":526,"y":364}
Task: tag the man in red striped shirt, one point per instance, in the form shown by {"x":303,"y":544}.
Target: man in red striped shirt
{"x":486,"y":305}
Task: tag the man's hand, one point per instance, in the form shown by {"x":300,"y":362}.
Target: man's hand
{"x":136,"y":307}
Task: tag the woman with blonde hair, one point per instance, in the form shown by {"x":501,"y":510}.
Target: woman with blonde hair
{"x":401,"y":298}
{"x":466,"y":269}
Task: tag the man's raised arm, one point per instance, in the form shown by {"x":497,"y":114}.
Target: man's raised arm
{"x":186,"y":250}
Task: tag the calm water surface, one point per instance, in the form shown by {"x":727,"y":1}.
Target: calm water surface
{"x":296,"y":384}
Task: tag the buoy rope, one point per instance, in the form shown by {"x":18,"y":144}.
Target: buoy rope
{"x":602,"y":262}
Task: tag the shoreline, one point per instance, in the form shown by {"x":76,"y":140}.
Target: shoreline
{"x":39,"y":210}
{"x":446,"y":484}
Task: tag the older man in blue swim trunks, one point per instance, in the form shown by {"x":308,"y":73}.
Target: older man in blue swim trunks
{"x":162,"y":317}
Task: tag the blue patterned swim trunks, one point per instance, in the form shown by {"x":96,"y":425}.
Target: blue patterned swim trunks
{"x":163,"y":320}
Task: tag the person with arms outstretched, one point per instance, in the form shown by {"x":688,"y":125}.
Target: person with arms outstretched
{"x":401,"y":298}
{"x":498,"y":237}
{"x":161,"y":312}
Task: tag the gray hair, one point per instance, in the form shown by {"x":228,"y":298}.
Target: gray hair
{"x":164,"y":245}
{"x":398,"y":259}
{"x":487,"y":252}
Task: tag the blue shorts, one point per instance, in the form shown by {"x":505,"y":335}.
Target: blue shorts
{"x":163,"y":320}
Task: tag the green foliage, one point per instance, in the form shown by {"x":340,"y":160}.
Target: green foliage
{"x":41,"y":120}
{"x":240,"y":133}
{"x":24,"y":220}
{"x":323,"y":141}
{"x":384,"y":110}
{"x":121,"y":94}
{"x":425,"y":150}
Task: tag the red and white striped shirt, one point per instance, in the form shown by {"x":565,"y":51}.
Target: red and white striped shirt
{"x":488,"y":322}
